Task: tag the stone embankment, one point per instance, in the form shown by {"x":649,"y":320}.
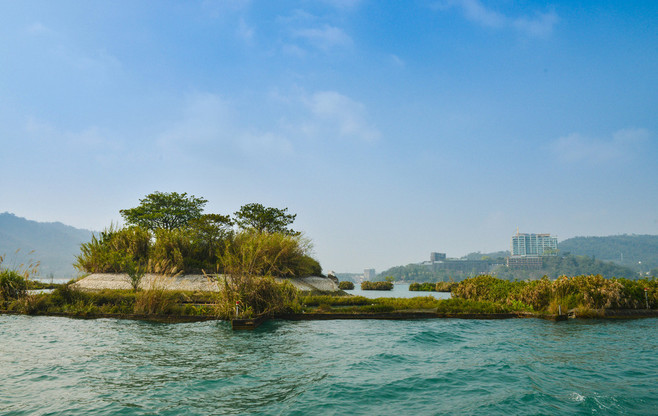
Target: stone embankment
{"x":189,"y":282}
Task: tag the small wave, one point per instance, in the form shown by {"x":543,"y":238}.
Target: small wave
{"x":576,"y":397}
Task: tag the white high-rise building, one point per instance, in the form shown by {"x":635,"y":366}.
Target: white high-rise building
{"x":533,"y":245}
{"x":369,"y":274}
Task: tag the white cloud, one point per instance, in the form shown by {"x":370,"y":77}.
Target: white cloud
{"x":37,"y":28}
{"x":245,"y":31}
{"x":205,"y":118}
{"x":208,"y":126}
{"x":293,"y":50}
{"x":540,"y":25}
{"x":89,"y":144}
{"x":397,"y":61}
{"x":342,"y":4}
{"x":325,"y":37}
{"x":622,"y":146}
{"x":476,"y":12}
{"x":338,"y":113}
{"x":219,"y":8}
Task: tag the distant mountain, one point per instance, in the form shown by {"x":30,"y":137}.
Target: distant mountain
{"x":639,"y":252}
{"x":53,"y":244}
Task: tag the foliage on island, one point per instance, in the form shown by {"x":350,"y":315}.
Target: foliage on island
{"x":346,"y":285}
{"x":432,"y":287}
{"x":367,"y":285}
{"x":14,"y":282}
{"x":169,"y":233}
{"x":585,"y":292}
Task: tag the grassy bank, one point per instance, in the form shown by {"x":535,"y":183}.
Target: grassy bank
{"x":586,"y":296}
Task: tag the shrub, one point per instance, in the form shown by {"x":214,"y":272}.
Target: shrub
{"x":444,"y":286}
{"x":591,"y":292}
{"x":255,"y":296}
{"x":346,"y":285}
{"x":422,"y":287}
{"x":376,"y":285}
{"x":108,"y":252}
{"x":156,"y":301}
{"x":268,"y":254}
{"x":12,"y":285}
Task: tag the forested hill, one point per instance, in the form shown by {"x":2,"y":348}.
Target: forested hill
{"x":639,"y":252}
{"x":53,"y":244}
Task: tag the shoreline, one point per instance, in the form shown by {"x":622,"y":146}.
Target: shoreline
{"x":392,"y":316}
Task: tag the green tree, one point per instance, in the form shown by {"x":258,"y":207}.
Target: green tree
{"x":210,"y":230}
{"x":164,"y":210}
{"x":265,"y":219}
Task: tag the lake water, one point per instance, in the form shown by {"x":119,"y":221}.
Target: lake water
{"x":400,"y":290}
{"x":62,"y":366}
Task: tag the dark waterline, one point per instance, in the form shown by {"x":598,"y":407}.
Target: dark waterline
{"x":61,"y":366}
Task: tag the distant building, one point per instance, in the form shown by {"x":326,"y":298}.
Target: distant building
{"x":439,"y":261}
{"x":525,"y":262}
{"x":533,"y":245}
{"x":437,"y":256}
{"x":528,"y":250}
{"x":369,"y":274}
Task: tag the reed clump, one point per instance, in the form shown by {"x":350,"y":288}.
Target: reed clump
{"x":367,"y":285}
{"x":587,"y":292}
{"x":345,"y":285}
{"x":432,"y":287}
{"x":249,"y":266}
{"x":187,"y":250}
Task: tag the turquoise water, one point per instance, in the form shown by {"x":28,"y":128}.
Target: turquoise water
{"x":61,"y":366}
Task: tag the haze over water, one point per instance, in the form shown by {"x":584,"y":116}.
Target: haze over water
{"x":61,"y":366}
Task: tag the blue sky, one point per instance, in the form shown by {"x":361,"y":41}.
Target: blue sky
{"x":392,"y":129}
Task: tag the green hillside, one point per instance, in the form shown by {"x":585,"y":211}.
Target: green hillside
{"x":54,"y":245}
{"x":569,"y":265}
{"x":639,"y":252}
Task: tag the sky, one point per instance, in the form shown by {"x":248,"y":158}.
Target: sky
{"x":392,"y":129}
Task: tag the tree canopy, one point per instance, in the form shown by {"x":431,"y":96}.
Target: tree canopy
{"x":168,"y":233}
{"x":265,"y":219}
{"x":167,"y":211}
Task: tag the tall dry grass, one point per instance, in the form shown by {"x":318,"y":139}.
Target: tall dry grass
{"x":588,"y":292}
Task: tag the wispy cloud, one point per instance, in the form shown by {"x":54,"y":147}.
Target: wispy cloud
{"x":623,"y":145}
{"x":343,"y":4}
{"x":37,"y":29}
{"x":341,"y":115}
{"x":325,"y":37}
{"x":219,"y":8}
{"x":538,"y":25}
{"x":90,"y":143}
{"x":397,"y":61}
{"x":245,"y":32}
{"x":207,"y":126}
